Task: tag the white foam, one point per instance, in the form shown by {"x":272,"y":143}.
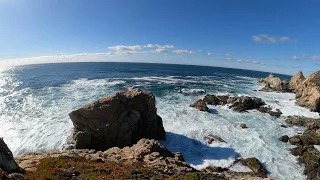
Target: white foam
{"x":37,"y":120}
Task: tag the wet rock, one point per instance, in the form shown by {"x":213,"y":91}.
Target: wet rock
{"x":200,"y":105}
{"x":119,"y":120}
{"x":216,"y":169}
{"x":255,"y":165}
{"x":216,"y":100}
{"x":274,"y":84}
{"x":308,"y":123}
{"x":310,"y":137}
{"x":269,"y":110}
{"x":244,"y":103}
{"x":213,"y":138}
{"x":7,"y":161}
{"x":298,"y":151}
{"x":296,"y":81}
{"x":295,"y":140}
{"x":243,"y":126}
{"x":308,"y":92}
{"x":284,"y":126}
{"x":310,"y":158}
{"x":284,"y":138}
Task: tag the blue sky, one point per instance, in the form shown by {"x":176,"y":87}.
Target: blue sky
{"x":273,"y":36}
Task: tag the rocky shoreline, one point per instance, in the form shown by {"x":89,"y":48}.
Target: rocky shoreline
{"x":117,"y":138}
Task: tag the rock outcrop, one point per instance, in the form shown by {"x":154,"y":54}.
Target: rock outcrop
{"x":244,"y":103}
{"x":274,"y":84}
{"x":200,"y":105}
{"x":213,"y":138}
{"x":117,"y":121}
{"x":7,"y":162}
{"x":296,"y":81}
{"x":255,"y":165}
{"x":308,"y":123}
{"x":308,"y":92}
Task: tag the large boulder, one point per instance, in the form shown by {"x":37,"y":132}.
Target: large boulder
{"x":256,"y":166}
{"x":117,"y":121}
{"x":216,"y":100}
{"x":310,"y":158}
{"x":308,"y":92}
{"x":7,"y":162}
{"x":274,"y":84}
{"x":296,"y":81}
{"x":244,"y":103}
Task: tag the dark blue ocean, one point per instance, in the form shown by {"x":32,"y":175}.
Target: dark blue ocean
{"x":35,"y":101}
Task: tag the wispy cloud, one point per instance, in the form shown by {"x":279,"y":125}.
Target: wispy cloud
{"x":229,"y":57}
{"x":161,"y":50}
{"x":159,"y":46}
{"x":126,"y":48}
{"x":315,"y":57}
{"x":183,"y":51}
{"x":249,"y":61}
{"x":295,"y":58}
{"x":263,"y":38}
{"x":209,"y":54}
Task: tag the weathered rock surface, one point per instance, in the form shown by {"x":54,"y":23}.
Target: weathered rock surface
{"x":308,"y":92}
{"x":119,"y":120}
{"x":200,"y":105}
{"x":216,"y":100}
{"x":7,"y":161}
{"x":269,"y":110}
{"x":308,"y":123}
{"x":213,"y":138}
{"x":244,"y":103}
{"x":311,"y":158}
{"x":296,"y":81}
{"x":274,"y":84}
{"x":255,"y":165}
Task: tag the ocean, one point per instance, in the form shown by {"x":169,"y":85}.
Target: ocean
{"x":35,"y":101}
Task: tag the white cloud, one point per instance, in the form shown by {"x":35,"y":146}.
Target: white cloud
{"x":159,"y":46}
{"x":295,"y":58}
{"x":263,"y":38}
{"x":209,"y":54}
{"x":249,"y":61}
{"x":183,"y":51}
{"x":126,"y":48}
{"x":161,"y":50}
{"x":315,"y":57}
{"x":229,"y":57}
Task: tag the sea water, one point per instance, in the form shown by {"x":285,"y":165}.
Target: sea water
{"x":35,"y":101}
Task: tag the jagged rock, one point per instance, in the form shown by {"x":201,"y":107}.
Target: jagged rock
{"x":284,"y":126}
{"x":200,"y":105}
{"x":296,"y":81}
{"x":150,"y":152}
{"x":216,"y":100}
{"x":216,"y":169}
{"x":119,"y":120}
{"x":243,"y":126}
{"x":298,"y":151}
{"x":244,"y":103}
{"x":314,"y":174}
{"x":310,"y":137}
{"x":269,"y":110}
{"x":274,"y":84}
{"x":255,"y":165}
{"x":7,"y":161}
{"x":308,"y":123}
{"x":284,"y":138}
{"x":295,"y":140}
{"x":308,"y":92}
{"x":213,"y":138}
{"x":310,"y":158}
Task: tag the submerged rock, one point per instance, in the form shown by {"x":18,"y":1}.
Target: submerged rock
{"x":119,"y":120}
{"x":213,"y":138}
{"x":200,"y":105}
{"x":255,"y":165}
{"x":7,"y":161}
{"x":269,"y":110}
{"x":284,"y":138}
{"x":243,"y":126}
